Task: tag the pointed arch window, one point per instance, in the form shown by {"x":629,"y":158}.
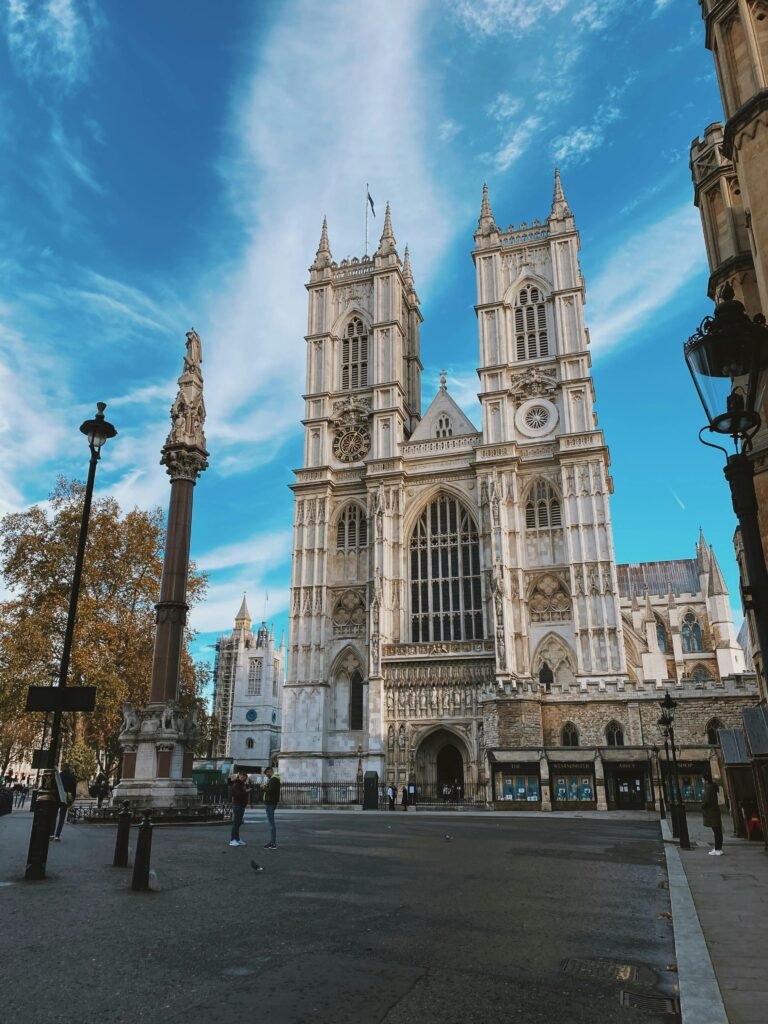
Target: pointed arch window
{"x":444,"y":428}
{"x":701,"y":674}
{"x":352,"y":529}
{"x":690,"y":633}
{"x":569,"y":737}
{"x":254,"y":677}
{"x":354,"y":356}
{"x":249,"y":743}
{"x":542,"y":510}
{"x":661,"y":635}
{"x":712,"y":726}
{"x":614,"y":734}
{"x":546,"y":678}
{"x":530,"y":315}
{"x":446,"y":598}
{"x":356,"y":701}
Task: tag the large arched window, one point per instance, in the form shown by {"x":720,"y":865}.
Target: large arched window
{"x":614,"y":734}
{"x":701,"y":674}
{"x":356,"y":701}
{"x":569,"y":737}
{"x":446,"y":600}
{"x":254,"y":677}
{"x":690,"y":633}
{"x":352,"y":529}
{"x":354,"y":356}
{"x":542,"y":510}
{"x":531,"y":340}
{"x":712,"y":726}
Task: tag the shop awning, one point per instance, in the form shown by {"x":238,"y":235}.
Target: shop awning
{"x":624,"y":754}
{"x":756,"y":729}
{"x":571,"y":755}
{"x":734,"y":746}
{"x":516,"y":756}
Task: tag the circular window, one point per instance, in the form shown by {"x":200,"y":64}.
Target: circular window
{"x":251,"y":715}
{"x":537,"y":417}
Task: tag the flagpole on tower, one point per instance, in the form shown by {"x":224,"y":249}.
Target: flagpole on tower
{"x":367,"y":193}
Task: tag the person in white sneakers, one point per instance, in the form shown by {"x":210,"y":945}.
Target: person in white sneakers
{"x":711,"y":817}
{"x":240,"y":798}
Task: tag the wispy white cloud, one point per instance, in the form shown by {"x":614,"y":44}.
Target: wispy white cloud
{"x":448,"y":130}
{"x":644,"y":274}
{"x":576,"y":145}
{"x":71,"y":154}
{"x":51,"y":39}
{"x":504,"y":106}
{"x":515,"y":142}
{"x":513,"y":17}
{"x":254,"y":341}
{"x":261,"y":549}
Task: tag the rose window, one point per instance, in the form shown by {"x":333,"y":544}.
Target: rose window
{"x":537,"y":417}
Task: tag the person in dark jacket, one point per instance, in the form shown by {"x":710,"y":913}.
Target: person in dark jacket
{"x":271,"y":800}
{"x":69,"y":782}
{"x":240,"y":797}
{"x":711,"y":817}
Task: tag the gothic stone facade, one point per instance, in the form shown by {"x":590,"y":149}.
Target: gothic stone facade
{"x":457,"y":613}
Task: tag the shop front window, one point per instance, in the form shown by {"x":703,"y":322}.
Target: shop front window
{"x":517,"y":786}
{"x":574,"y":787}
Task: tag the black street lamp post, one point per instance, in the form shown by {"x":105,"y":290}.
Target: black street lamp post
{"x":667,"y":724}
{"x":662,"y":809}
{"x":726,"y":356}
{"x":663,"y":725}
{"x":98,"y":431}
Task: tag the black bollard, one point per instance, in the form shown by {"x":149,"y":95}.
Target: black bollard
{"x":43,"y":824}
{"x":140,"y":882}
{"x":123,"y":832}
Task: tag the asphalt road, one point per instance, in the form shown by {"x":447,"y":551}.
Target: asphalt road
{"x":357,"y":918}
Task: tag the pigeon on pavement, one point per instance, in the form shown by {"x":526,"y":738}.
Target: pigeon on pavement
{"x":255,"y":866}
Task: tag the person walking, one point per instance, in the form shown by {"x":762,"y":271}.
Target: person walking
{"x":711,"y":817}
{"x":391,"y":796}
{"x":69,"y":782}
{"x":271,"y":800}
{"x":404,"y":800}
{"x":239,"y":803}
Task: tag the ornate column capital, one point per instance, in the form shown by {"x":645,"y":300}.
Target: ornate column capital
{"x":183,"y":462}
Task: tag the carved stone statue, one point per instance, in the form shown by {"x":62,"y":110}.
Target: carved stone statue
{"x":190,"y":726}
{"x":194,"y":355}
{"x":168,"y":719}
{"x":131,"y":720}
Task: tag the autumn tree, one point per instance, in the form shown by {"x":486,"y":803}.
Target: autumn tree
{"x":114,"y":634}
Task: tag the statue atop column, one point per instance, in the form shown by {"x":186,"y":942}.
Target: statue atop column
{"x":184,"y":452}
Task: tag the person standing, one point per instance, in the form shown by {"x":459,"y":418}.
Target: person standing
{"x":404,"y":800}
{"x":271,"y":800}
{"x":239,"y":803}
{"x":711,"y":817}
{"x":391,"y":796}
{"x":69,"y":782}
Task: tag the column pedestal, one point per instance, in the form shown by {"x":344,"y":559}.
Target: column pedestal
{"x":157,"y":759}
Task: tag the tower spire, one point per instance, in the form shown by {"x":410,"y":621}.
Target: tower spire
{"x":702,"y":554}
{"x":243,"y":618}
{"x":407,"y":272}
{"x":648,"y":607}
{"x":716,"y":582}
{"x":387,"y":242}
{"x":560,"y":208}
{"x":323,"y":256}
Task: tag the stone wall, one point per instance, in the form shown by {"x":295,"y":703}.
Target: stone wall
{"x":512,"y":723}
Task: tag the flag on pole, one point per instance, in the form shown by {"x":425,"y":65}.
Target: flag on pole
{"x":371,"y":202}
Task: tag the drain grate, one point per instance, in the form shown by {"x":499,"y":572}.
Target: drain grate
{"x":649,"y":1001}
{"x":601,"y":970}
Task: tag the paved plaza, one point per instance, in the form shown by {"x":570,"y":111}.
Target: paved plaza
{"x":355,"y":918}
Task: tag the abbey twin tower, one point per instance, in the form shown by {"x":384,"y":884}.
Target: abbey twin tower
{"x":457,"y":614}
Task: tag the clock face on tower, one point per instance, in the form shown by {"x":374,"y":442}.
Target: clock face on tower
{"x":351,"y":444}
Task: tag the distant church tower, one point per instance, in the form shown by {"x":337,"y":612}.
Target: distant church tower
{"x":456,"y":613}
{"x":248,"y":693}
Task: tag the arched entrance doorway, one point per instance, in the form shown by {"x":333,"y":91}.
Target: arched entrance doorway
{"x":440,"y":762}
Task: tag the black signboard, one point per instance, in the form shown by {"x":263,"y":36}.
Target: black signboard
{"x":573,"y":766}
{"x":56,"y":698}
{"x":40,"y":758}
{"x":530,"y":767}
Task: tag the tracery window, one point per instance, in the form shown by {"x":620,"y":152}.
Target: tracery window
{"x":531,"y":339}
{"x":352,"y":529}
{"x":614,"y":734}
{"x":444,"y":428}
{"x":569,"y":737}
{"x":690,"y":633}
{"x":712,"y":726}
{"x":275,"y":676}
{"x":356,"y":701}
{"x":354,"y":356}
{"x":546,"y":677}
{"x":254,"y":677}
{"x":446,"y":599}
{"x":700,"y":674}
{"x":542,"y":510}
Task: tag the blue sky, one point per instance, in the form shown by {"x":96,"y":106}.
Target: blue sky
{"x":168,"y":165}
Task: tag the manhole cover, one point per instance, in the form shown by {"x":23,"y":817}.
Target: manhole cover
{"x":649,"y":1001}
{"x":611,"y":970}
